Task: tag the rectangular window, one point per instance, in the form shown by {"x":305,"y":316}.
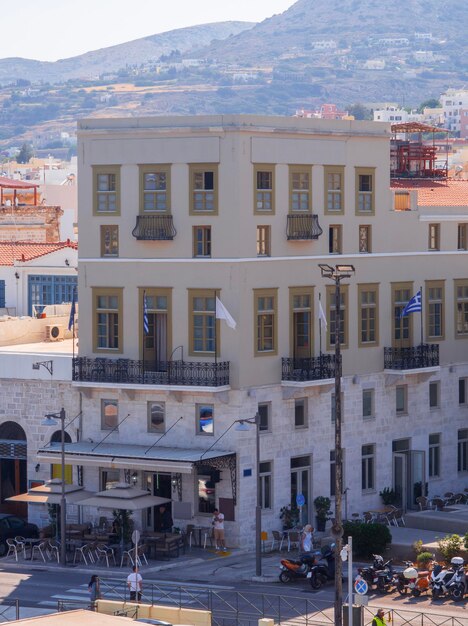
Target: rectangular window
{"x":435,"y":309}
{"x":266,"y":484}
{"x":156,"y":417}
{"x":204,"y":419}
{"x":462,"y":453}
{"x":202,"y":241}
{"x":462,"y":391}
{"x":343,"y":321}
{"x":109,"y":241}
{"x":334,"y":239}
{"x":368,"y":314}
{"x":333,"y":407}
{"x":434,"y":395}
{"x":264,"y":186}
{"x":401,"y":399}
{"x":203,"y":189}
{"x":368,"y":467}
{"x":300,"y":190}
{"x":108,"y":321}
{"x":462,"y":243}
{"x":300,"y":413}
{"x":265,"y":322}
{"x":402,"y":201}
{"x":264,"y":411}
{"x":263,"y":240}
{"x":461,"y":308}
{"x":364,"y":238}
{"x":206,"y":491}
{"x":109,"y":414}
{"x":106,"y":189}
{"x":334,"y":189}
{"x":2,"y":294}
{"x":434,"y":455}
{"x":368,"y":403}
{"x":155,"y":189}
{"x":109,"y":478}
{"x":202,"y":322}
{"x":301,"y":322}
{"x":434,"y":237}
{"x":402,"y":326}
{"x":332,"y":472}
{"x":365,"y":202}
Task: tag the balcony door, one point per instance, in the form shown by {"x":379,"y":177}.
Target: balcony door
{"x":156,"y":347}
{"x":402,"y":332}
{"x":301,"y":318}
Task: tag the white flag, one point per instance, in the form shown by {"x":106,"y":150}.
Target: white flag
{"x":223,"y":314}
{"x":322,"y":317}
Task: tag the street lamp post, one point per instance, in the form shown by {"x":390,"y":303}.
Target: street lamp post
{"x":50,"y":420}
{"x":336,"y":274}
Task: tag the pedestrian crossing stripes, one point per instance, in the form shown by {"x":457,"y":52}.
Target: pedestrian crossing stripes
{"x":169,"y":592}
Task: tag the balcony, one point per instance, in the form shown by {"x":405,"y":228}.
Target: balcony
{"x":154,"y":228}
{"x":303,"y":227}
{"x":416,"y":357}
{"x":314,"y":368}
{"x":128,"y":371}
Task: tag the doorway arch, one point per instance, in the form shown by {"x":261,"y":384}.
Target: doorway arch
{"x":13,"y":467}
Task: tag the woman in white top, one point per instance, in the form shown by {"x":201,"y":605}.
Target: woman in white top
{"x":307,"y":538}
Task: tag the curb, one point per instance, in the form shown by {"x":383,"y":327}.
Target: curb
{"x":262,"y":579}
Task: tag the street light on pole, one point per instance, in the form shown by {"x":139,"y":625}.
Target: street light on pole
{"x":241,"y":425}
{"x":336,"y":274}
{"x":51,"y":420}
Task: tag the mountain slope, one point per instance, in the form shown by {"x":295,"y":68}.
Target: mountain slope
{"x":91,"y":64}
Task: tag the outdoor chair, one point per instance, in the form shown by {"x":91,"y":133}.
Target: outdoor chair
{"x":438,"y":503}
{"x":208,"y":536}
{"x":127,"y":558}
{"x":84,"y":553}
{"x":12,"y":549}
{"x":368,"y":519}
{"x":104,"y":553}
{"x":449,"y":498}
{"x":423,"y":503}
{"x":356,"y":517}
{"x":21,"y":544}
{"x":294,"y":540}
{"x":189,"y":534}
{"x":142,"y":548}
{"x":278,"y":538}
{"x":53,"y":550}
{"x":460,"y":498}
{"x":40,"y":549}
{"x":398,"y":519}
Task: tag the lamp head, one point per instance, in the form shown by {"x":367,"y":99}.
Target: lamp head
{"x":49,"y":421}
{"x":242,"y":426}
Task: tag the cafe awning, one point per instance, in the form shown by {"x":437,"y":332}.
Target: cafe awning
{"x":138,"y":457}
{"x":123,"y":496}
{"x":51,"y":493}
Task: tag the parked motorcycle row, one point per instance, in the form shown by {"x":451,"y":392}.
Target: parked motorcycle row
{"x":319,"y":568}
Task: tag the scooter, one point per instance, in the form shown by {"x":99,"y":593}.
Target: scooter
{"x":290,"y":569}
{"x":440,"y":579}
{"x":379,"y":575}
{"x":324,"y":569}
{"x":457,"y":586}
{"x":412,"y":580}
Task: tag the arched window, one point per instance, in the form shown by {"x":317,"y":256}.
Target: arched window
{"x":12,"y":431}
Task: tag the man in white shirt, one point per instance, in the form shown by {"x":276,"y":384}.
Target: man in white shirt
{"x":218,"y":526}
{"x":135,"y":584}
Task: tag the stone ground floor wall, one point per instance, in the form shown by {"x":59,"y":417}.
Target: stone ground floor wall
{"x":26,"y":402}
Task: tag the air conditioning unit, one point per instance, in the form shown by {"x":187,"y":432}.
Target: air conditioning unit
{"x":55,"y":332}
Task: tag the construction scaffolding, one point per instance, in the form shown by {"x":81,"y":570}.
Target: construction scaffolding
{"x":415,"y":153}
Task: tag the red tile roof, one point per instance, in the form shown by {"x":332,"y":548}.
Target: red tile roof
{"x":22,"y":251}
{"x":434,"y":193}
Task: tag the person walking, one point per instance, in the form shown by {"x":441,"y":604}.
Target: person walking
{"x":307,"y":539}
{"x":379,"y":619}
{"x":135,"y":584}
{"x":218,"y":530}
{"x":93,"y":588}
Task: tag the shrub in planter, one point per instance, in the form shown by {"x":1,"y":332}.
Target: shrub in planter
{"x":450,"y":546}
{"x":423,"y":559}
{"x":388,"y":495}
{"x":322,"y":509}
{"x":368,"y":539}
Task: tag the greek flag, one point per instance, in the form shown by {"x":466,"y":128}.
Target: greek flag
{"x":145,"y":315}
{"x":71,"y":321}
{"x":413,"y":306}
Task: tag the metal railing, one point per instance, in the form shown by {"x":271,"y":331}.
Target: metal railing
{"x":154,"y":228}
{"x":303,"y":227}
{"x":196,"y":374}
{"x":416,"y":357}
{"x":10,"y":606}
{"x":314,"y":368}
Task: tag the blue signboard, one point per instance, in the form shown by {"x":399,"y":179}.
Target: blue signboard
{"x":300,"y":500}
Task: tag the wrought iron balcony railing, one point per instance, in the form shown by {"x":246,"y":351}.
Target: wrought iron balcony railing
{"x":196,"y":374}
{"x":416,"y":357}
{"x":300,"y":227}
{"x":154,"y":228}
{"x":314,"y":368}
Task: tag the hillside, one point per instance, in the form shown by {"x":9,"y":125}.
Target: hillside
{"x":92,"y":64}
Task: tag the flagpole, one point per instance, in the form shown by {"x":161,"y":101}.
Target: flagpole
{"x":144,"y":334}
{"x":422,"y":334}
{"x":73,"y":356}
{"x":215,"y":334}
{"x":320,"y":327}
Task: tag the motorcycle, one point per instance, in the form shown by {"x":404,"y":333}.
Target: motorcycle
{"x":323,"y":569}
{"x":412,"y":580}
{"x":379,"y":575}
{"x":292,"y":569}
{"x":457,"y":585}
{"x":440,"y":579}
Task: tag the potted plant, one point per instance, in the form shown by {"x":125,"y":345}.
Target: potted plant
{"x":322,"y":510}
{"x":388,"y":495}
{"x":289,"y":516}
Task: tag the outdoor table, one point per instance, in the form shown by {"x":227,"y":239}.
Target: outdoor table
{"x":30,"y":542}
{"x":199,"y":530}
{"x":152,"y":543}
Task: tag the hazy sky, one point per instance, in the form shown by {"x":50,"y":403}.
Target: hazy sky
{"x":48,"y":30}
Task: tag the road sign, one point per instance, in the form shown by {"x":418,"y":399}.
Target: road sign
{"x":361,"y":587}
{"x":361,"y":600}
{"x":300,"y":500}
{"x":136,"y":536}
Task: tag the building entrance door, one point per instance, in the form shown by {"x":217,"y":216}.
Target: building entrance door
{"x":159,"y":485}
{"x":300,"y":484}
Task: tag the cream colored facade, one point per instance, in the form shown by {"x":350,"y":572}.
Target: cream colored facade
{"x":250,"y":170}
